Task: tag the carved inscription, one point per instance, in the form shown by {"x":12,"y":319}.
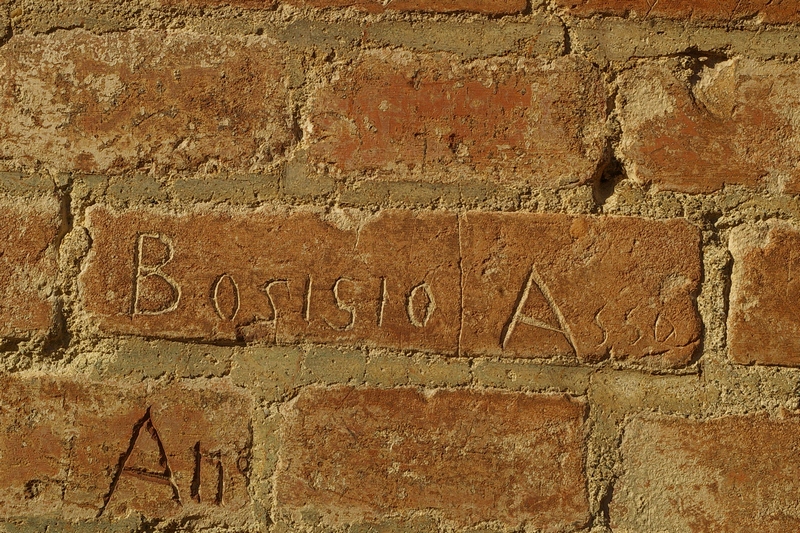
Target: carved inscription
{"x":419,"y":318}
{"x":587,"y":289}
{"x":161,"y":475}
{"x":393,"y":281}
{"x":217,"y":487}
{"x":225,"y":297}
{"x":535,"y":280}
{"x":154,"y":292}
{"x":383,"y":299}
{"x":105,"y":450}
{"x":343,"y":306}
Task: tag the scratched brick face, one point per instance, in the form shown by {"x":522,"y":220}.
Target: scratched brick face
{"x":585,"y":288}
{"x":85,"y":450}
{"x":433,"y":118}
{"x":141,"y":100}
{"x":28,"y":234}
{"x":769,"y":11}
{"x":764,"y":316}
{"x":730,"y":475}
{"x":735,"y":126}
{"x":489,"y":7}
{"x":362,"y":454}
{"x":249,"y":4}
{"x":391,"y":280}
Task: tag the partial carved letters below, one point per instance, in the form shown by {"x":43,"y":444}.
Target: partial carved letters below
{"x":159,"y":451}
{"x":496,"y":284}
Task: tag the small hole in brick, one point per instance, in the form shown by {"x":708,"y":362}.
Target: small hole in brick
{"x":612,"y":173}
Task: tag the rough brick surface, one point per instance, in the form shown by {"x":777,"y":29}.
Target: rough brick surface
{"x":433,"y":118}
{"x":390,"y":281}
{"x":249,"y":4}
{"x":396,"y":281}
{"x":141,"y":100}
{"x":472,"y":456}
{"x":735,"y":125}
{"x":764,"y":317}
{"x":84,"y":449}
{"x":582,"y":287}
{"x":490,"y":7}
{"x":28,"y":235}
{"x":733,"y":474}
{"x":781,"y":11}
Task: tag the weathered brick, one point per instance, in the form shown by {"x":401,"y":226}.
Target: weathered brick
{"x":249,"y":4}
{"x":430,"y":117}
{"x":141,"y":99}
{"x":733,"y":126}
{"x":360,"y":454}
{"x":770,"y":11}
{"x":489,"y":7}
{"x":391,"y":280}
{"x":731,"y":474}
{"x":591,"y":288}
{"x":28,"y":234}
{"x":764,"y":317}
{"x":84,"y":449}
{"x":581,"y":287}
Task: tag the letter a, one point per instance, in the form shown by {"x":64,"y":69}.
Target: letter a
{"x":161,"y":476}
{"x":518,"y":318}
{"x":154,"y":292}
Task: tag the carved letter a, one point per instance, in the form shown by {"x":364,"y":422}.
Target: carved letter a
{"x":161,"y":476}
{"x":535,"y":280}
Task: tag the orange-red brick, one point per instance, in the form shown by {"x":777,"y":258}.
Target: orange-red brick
{"x":489,"y":7}
{"x":770,"y":11}
{"x":433,"y":118}
{"x":250,"y":4}
{"x":84,"y":449}
{"x":510,"y":285}
{"x":735,"y":124}
{"x":142,"y":100}
{"x":586,"y":288}
{"x":362,"y":454}
{"x":390,"y":281}
{"x":731,"y":474}
{"x":28,"y":269}
{"x":764,"y":316}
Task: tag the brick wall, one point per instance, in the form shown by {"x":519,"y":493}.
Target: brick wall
{"x":403,"y":266}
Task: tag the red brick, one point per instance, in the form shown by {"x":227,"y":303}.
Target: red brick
{"x":770,"y":11}
{"x":489,"y":7}
{"x":434,"y":118}
{"x":361,"y":454}
{"x":81,"y":449}
{"x":28,"y":269}
{"x":204,"y":276}
{"x":735,"y":125}
{"x":250,"y":4}
{"x":140,"y":100}
{"x":732,"y":474}
{"x":584,"y":288}
{"x":764,"y":317}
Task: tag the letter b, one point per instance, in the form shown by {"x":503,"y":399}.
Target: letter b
{"x":154,"y":292}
